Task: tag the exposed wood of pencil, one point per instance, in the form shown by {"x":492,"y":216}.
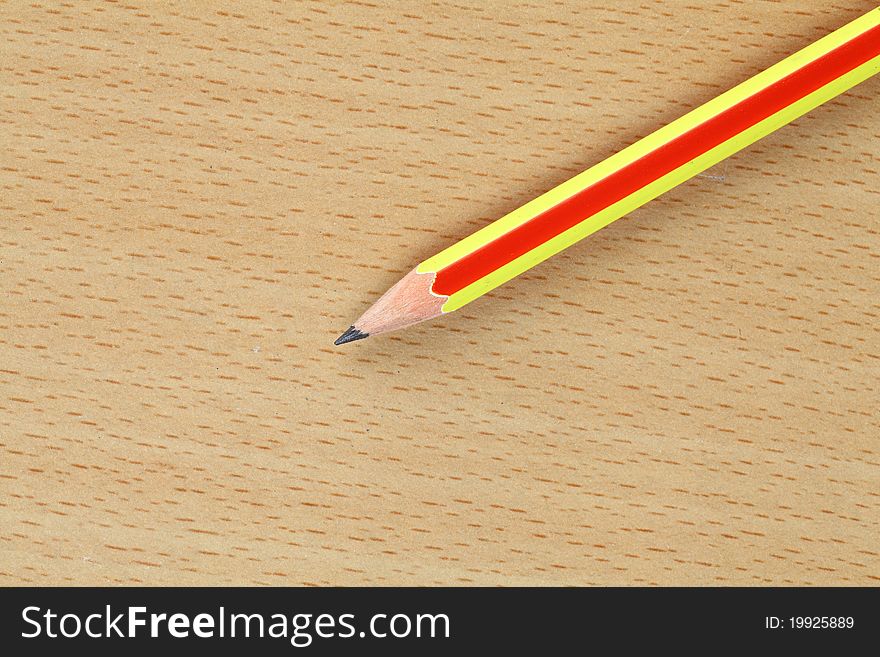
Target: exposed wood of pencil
{"x":408,"y":302}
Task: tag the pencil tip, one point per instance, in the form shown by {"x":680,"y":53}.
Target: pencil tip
{"x":351,"y":334}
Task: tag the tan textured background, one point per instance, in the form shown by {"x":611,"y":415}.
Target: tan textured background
{"x":196,"y":202}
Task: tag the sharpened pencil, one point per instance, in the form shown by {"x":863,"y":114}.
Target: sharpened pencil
{"x":625,"y":181}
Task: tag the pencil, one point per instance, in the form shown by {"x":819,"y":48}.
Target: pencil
{"x":627,"y":180}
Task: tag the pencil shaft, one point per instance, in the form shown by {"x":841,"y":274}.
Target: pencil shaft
{"x":657,"y":163}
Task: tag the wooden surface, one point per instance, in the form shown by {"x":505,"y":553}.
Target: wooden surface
{"x":196,"y":202}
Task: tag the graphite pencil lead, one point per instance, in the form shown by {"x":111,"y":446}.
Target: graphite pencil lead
{"x":351,"y":334}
